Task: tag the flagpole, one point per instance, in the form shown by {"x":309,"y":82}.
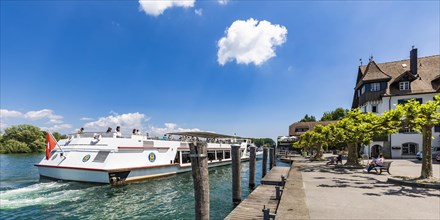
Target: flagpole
{"x":56,"y":142}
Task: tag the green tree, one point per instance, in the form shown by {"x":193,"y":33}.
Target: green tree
{"x":263,"y":141}
{"x":308,"y":118}
{"x":423,"y":117}
{"x":358,"y":129}
{"x":59,"y":136}
{"x":22,"y":139}
{"x":336,"y":114}
{"x":333,"y":135}
{"x":305,"y":141}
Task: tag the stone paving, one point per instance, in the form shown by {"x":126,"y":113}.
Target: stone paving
{"x":333,"y":193}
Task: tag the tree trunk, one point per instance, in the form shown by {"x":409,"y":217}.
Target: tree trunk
{"x":427,"y":153}
{"x":319,"y":153}
{"x":352,"y":158}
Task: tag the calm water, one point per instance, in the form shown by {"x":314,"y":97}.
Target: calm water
{"x":24,"y":196}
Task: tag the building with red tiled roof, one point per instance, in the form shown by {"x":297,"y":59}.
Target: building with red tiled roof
{"x":381,"y":86}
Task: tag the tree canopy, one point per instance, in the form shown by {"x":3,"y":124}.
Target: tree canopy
{"x":263,"y":142}
{"x":24,"y":139}
{"x":334,"y":115}
{"x":308,"y":118}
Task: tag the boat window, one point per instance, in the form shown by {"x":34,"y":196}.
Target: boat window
{"x":219,"y":155}
{"x":185,"y":157}
{"x":177,"y":157}
{"x":148,"y":143}
{"x":211,"y":155}
{"x":101,"y":156}
{"x":227,"y":154}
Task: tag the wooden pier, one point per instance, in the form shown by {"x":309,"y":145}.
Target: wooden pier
{"x":252,"y":206}
{"x":263,"y":196}
{"x":274,"y":176}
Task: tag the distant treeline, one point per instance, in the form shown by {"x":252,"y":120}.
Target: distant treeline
{"x":267,"y":142}
{"x":24,"y":139}
{"x":334,"y":115}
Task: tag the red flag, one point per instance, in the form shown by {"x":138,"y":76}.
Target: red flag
{"x":50,"y":144}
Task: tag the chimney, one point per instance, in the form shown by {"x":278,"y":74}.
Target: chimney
{"x":413,"y":61}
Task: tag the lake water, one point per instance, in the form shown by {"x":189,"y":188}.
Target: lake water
{"x":24,"y":196}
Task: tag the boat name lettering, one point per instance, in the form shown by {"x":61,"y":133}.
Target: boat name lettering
{"x":152,"y":157}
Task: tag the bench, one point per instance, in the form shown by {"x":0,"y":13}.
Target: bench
{"x":335,"y":160}
{"x":386,"y":167}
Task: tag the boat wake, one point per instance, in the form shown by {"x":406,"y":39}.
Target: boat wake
{"x":38,"y":194}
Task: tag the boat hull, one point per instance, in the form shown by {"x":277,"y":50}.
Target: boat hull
{"x":117,"y":176}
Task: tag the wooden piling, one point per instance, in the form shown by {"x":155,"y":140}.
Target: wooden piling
{"x":199,"y":164}
{"x":264,"y":167}
{"x":236,"y":173}
{"x":271,"y":157}
{"x":252,"y":161}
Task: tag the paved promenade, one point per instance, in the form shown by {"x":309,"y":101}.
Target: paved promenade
{"x":329,"y":193}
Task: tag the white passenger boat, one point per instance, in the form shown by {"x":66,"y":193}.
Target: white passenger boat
{"x":107,"y":158}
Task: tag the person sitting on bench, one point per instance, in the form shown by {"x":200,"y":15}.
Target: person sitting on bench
{"x":339,"y":159}
{"x":378,"y":162}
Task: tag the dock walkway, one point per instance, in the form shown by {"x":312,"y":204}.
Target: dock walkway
{"x":252,"y":206}
{"x":274,"y":176}
{"x":263,"y":195}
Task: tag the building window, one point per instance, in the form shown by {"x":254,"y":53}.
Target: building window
{"x":404,"y":85}
{"x":364,"y":109}
{"x":301,"y":129}
{"x":375,"y":87}
{"x":437,"y":128}
{"x":407,"y":131}
{"x":409,"y":149}
{"x":404,"y":101}
{"x":374,"y":108}
{"x":362,"y":90}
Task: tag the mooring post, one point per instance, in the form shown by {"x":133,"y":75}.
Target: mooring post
{"x":264,"y":167}
{"x":199,"y":164}
{"x":271,"y":157}
{"x":236,"y":173}
{"x":278,"y":192}
{"x":267,"y":215}
{"x":252,"y":161}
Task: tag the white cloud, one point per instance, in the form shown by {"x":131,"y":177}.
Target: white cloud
{"x":37,"y":118}
{"x":157,"y":7}
{"x":5,"y":113}
{"x":250,"y":41}
{"x":60,"y":127}
{"x":199,"y":12}
{"x":127,"y":122}
{"x":169,"y":127}
{"x":223,"y":2}
{"x":45,"y":113}
{"x":86,"y":119}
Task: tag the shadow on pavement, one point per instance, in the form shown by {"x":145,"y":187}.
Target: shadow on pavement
{"x":353,"y":179}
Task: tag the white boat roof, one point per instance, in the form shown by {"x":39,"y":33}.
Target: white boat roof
{"x":202,"y":134}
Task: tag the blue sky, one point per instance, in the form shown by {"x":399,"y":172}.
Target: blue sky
{"x":164,"y":67}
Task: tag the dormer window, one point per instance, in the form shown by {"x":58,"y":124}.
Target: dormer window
{"x":404,"y":85}
{"x":375,"y":87}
